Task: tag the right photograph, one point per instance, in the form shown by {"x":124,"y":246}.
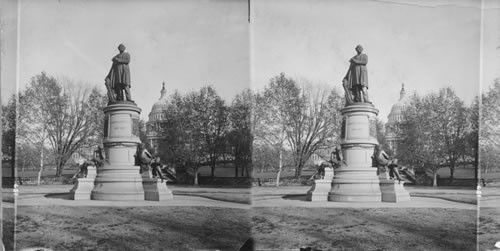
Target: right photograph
{"x":375,"y":125}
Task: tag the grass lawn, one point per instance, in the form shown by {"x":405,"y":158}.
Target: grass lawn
{"x":489,"y":228}
{"x":8,"y":228}
{"x":143,"y":228}
{"x":364,"y":229}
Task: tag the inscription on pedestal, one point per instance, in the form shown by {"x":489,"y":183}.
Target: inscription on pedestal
{"x":373,"y":128}
{"x":135,"y":126}
{"x":120,"y":126}
{"x":358,"y":127}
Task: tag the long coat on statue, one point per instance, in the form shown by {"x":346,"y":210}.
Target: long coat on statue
{"x":357,"y":73}
{"x":120,"y":71}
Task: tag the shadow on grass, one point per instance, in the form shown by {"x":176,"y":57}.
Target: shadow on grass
{"x":453,"y":198}
{"x":63,"y":196}
{"x":238,"y":198}
{"x":298,"y":197}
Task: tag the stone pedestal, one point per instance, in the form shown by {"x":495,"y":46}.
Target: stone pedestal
{"x":156,"y":190}
{"x":392,"y":190}
{"x":357,"y":180}
{"x":119,"y":178}
{"x":320,"y":188}
{"x":83,"y":186}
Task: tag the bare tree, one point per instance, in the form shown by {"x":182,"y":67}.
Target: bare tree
{"x":61,"y":114}
{"x":37,"y":106}
{"x":316,"y":125}
{"x":304,"y":120}
{"x":274,"y":110}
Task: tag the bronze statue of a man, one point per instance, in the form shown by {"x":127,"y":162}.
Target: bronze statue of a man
{"x":118,"y":80}
{"x":355,"y":82}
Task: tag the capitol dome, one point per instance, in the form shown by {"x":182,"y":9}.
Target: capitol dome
{"x":396,"y":115}
{"x":398,"y":109}
{"x":159,"y":107}
{"x":156,"y":116}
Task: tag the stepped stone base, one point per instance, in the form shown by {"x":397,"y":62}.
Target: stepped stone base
{"x":319,"y":190}
{"x":355,"y":184}
{"x":392,"y":191}
{"x":118,"y":183}
{"x":83,"y":186}
{"x":155,"y":190}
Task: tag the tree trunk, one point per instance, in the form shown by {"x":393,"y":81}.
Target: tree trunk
{"x":60,"y":166}
{"x":195,"y":177}
{"x":39,"y":176}
{"x":235,"y":170}
{"x":280,"y":167}
{"x":298,"y":170}
{"x":278,"y":174}
{"x":434,"y":179}
{"x":212,"y":167}
{"x":248,"y":170}
{"x":297,"y":174}
{"x":476,"y":165}
{"x":452,"y":170}
{"x":41,"y":168}
{"x":298,"y":167}
{"x":58,"y":171}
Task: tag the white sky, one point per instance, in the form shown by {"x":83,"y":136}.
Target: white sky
{"x":186,"y":44}
{"x":189,"y":44}
{"x":424,"y":45}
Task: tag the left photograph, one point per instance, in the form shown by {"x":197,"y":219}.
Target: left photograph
{"x":126,"y":126}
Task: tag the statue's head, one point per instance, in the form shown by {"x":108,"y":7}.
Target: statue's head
{"x":121,"y":48}
{"x":359,"y":49}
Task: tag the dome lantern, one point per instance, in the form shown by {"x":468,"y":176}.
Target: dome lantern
{"x":402,"y":93}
